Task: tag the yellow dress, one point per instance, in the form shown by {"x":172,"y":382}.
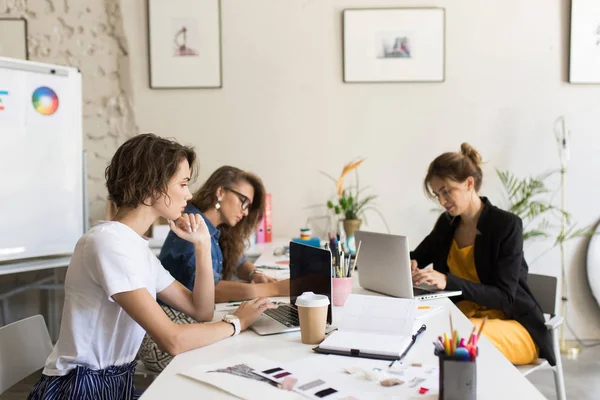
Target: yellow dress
{"x":508,"y":336}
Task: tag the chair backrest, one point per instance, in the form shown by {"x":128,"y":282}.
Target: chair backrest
{"x":544,"y":289}
{"x":24,"y":347}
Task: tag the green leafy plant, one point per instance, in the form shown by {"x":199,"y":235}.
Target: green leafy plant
{"x":351,"y":202}
{"x":530,"y":199}
{"x":349,"y":205}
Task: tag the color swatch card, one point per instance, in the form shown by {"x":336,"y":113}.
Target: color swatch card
{"x":373,"y":379}
{"x":237,"y":376}
{"x":306,"y":383}
{"x":251,"y":377}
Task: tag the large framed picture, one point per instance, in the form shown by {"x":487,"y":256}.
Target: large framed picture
{"x":394,"y":45}
{"x":584,"y":66}
{"x":13,"y":38}
{"x":184,"y":40}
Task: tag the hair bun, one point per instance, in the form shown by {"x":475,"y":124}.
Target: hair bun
{"x":468,"y":151}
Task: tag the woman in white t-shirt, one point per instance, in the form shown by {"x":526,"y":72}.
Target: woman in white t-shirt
{"x":113,"y":280}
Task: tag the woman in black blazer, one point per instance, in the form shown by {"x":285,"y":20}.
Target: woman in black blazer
{"x":477,"y":248}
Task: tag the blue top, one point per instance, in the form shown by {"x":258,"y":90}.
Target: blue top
{"x":178,"y":257}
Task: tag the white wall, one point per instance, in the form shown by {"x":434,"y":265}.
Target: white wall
{"x":285,"y":113}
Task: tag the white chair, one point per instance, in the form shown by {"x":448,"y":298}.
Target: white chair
{"x":544,"y":289}
{"x":24,"y":347}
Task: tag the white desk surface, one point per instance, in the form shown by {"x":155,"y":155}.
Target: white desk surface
{"x":496,"y":377}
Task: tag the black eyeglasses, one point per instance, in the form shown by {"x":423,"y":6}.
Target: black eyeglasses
{"x":246,"y":203}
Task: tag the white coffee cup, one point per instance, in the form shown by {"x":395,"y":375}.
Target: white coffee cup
{"x":312,"y":310}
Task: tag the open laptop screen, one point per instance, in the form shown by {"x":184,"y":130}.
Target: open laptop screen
{"x":310,"y":271}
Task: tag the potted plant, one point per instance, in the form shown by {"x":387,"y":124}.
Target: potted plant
{"x":351,"y":203}
{"x":528,"y":198}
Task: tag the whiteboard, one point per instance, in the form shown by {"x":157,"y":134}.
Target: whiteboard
{"x":41,"y":160}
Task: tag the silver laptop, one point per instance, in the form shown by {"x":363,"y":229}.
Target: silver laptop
{"x":384,"y":267}
{"x":310,"y":271}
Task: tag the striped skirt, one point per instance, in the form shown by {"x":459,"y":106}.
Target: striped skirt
{"x":82,"y":383}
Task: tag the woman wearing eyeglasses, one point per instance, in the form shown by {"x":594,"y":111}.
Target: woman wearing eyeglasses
{"x":232,"y":203}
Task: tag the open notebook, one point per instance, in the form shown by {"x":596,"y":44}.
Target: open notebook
{"x":373,"y":327}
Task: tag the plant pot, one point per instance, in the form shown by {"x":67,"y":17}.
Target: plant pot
{"x":351,"y":225}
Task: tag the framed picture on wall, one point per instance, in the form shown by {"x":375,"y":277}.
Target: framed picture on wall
{"x":13,"y":38}
{"x":584,"y":65}
{"x":394,"y":45}
{"x":184,"y":40}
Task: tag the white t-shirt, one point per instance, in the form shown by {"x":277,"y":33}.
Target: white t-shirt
{"x":95,"y":331}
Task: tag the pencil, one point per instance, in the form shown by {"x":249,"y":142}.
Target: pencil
{"x":472,"y":333}
{"x":357,"y":252}
{"x":481,"y":327}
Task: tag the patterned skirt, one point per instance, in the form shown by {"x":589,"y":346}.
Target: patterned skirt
{"x":82,"y":383}
{"x":154,"y":358}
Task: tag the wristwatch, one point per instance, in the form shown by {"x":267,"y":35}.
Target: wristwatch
{"x":235,"y":321}
{"x":251,"y":274}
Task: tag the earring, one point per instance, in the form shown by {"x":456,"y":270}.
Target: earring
{"x":218,"y":205}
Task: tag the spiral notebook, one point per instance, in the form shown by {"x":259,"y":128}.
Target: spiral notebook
{"x":373,"y":327}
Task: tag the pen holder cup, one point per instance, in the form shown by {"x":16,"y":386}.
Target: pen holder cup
{"x":341,"y":289}
{"x":458,"y":378}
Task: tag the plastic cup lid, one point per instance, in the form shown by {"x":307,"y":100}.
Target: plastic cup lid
{"x":309,"y":299}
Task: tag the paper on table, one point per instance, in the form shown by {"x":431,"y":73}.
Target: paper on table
{"x":270,"y":260}
{"x":331,"y":369}
{"x":427,"y":312}
{"x":242,"y":387}
{"x":238,"y":375}
{"x":378,"y":314}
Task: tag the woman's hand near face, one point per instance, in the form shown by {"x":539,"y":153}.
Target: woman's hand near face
{"x":191,"y":227}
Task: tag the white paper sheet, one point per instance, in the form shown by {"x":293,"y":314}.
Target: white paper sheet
{"x":308,"y":383}
{"x":378,"y":314}
{"x":241,"y":387}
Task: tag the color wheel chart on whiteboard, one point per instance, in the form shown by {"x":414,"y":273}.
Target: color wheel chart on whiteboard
{"x":45,"y":100}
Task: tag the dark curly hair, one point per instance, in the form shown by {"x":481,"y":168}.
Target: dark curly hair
{"x":142,"y":168}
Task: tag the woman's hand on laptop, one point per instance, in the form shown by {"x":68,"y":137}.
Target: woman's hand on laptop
{"x":249,"y":311}
{"x":430,"y":277}
{"x":414,"y":266}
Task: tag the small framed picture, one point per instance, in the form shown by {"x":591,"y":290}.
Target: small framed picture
{"x":584,"y":63}
{"x":184,"y":43}
{"x":394,"y":45}
{"x":13,"y":38}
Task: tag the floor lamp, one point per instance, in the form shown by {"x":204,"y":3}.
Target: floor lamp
{"x":569,"y":347}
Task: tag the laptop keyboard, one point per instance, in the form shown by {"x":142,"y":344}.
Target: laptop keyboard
{"x":285,"y":314}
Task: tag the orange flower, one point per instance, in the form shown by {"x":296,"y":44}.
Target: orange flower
{"x":351,"y":166}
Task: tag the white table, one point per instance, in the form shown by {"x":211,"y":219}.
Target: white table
{"x":496,"y":377}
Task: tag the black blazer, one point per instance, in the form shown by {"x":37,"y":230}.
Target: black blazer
{"x":500,"y":265}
